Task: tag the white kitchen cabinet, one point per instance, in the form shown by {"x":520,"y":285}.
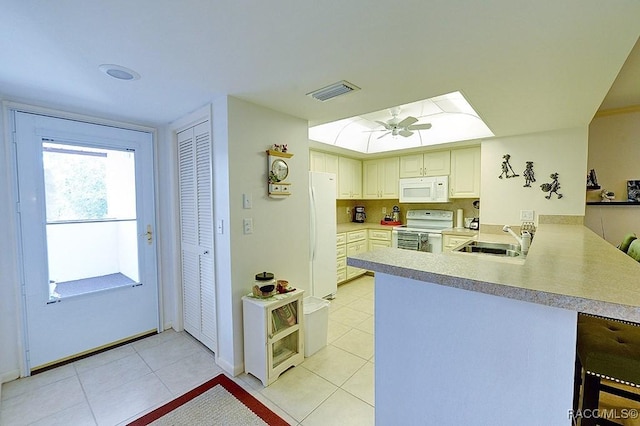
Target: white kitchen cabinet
{"x":273,"y":335}
{"x":323,"y":162}
{"x":356,"y":244}
{"x":341,"y":257}
{"x":436,"y":163}
{"x":349,"y":178}
{"x":196,"y":234}
{"x":465,"y":173}
{"x":380,"y":178}
{"x":379,"y":238}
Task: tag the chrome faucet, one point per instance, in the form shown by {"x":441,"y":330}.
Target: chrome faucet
{"x":524,"y":241}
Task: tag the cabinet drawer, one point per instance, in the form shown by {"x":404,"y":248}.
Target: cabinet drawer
{"x":379,"y":234}
{"x":356,"y":235}
{"x":341,"y":275}
{"x":341,"y":251}
{"x":341,"y":263}
{"x":341,"y":238}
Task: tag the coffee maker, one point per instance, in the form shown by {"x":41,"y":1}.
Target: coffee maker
{"x":359,"y":214}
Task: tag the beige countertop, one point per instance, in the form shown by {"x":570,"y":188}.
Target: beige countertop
{"x":460,"y":232}
{"x":352,"y":226}
{"x":568,"y":266}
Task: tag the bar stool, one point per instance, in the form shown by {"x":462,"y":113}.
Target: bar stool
{"x":626,"y":242}
{"x":606,"y":349}
{"x":634,"y":250}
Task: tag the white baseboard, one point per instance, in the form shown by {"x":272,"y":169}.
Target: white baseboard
{"x":8,"y":376}
{"x":229,"y":368}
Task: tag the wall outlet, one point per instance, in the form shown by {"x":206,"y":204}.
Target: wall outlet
{"x":384,"y":210}
{"x":526,"y":215}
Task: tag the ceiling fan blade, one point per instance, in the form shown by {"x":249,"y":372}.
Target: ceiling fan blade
{"x":385,"y":125}
{"x":407,"y":122}
{"x":425,"y":126}
{"x":380,"y":137}
{"x":405,"y":133}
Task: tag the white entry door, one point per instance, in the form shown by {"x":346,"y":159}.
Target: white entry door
{"x":88,"y":244}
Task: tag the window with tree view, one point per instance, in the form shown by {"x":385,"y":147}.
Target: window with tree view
{"x":90,"y":197}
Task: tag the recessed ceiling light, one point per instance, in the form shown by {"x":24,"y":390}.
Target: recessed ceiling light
{"x":119,"y":72}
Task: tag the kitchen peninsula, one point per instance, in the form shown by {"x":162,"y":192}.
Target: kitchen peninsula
{"x":472,"y":339}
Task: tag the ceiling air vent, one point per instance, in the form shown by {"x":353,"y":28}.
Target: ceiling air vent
{"x":336,"y":89}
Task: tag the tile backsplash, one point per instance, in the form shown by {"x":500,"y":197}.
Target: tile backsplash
{"x":373,"y":208}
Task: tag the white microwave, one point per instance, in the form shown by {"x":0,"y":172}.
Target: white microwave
{"x":431,"y":189}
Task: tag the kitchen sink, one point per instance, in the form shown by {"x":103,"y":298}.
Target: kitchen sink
{"x":496,"y":249}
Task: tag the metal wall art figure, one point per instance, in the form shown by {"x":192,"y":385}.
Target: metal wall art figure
{"x":528,"y":175}
{"x":592,"y":180}
{"x":552,"y":187}
{"x":506,"y":168}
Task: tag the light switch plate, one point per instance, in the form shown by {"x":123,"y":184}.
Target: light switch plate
{"x":527,"y":215}
{"x":247,"y":226}
{"x":247,"y":203}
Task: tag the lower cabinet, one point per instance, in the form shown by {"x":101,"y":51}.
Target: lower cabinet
{"x":356,"y":244}
{"x":273,"y":335}
{"x":341,"y":257}
{"x":379,"y":238}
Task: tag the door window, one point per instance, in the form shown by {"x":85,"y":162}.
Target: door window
{"x":90,"y":218}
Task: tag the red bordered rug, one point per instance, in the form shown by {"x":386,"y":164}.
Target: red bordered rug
{"x":218,"y":401}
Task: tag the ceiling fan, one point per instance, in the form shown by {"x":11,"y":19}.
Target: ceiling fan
{"x":404,"y":127}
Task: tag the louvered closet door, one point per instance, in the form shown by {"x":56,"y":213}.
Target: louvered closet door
{"x":196,"y":220}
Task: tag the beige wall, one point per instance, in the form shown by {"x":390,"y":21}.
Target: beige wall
{"x":614,"y":153}
{"x":563,"y":151}
{"x":280,"y":239}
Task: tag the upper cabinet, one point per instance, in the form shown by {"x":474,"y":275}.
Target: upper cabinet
{"x":465,"y":173}
{"x":323,"y":162}
{"x":349,"y":178}
{"x":380,"y":178}
{"x":427,"y":164}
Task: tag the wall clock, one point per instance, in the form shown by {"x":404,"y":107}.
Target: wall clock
{"x":278,"y":172}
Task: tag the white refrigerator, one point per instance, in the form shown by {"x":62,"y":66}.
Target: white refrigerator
{"x":322,"y":196}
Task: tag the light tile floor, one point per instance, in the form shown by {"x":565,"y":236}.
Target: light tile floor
{"x":335,"y":386}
